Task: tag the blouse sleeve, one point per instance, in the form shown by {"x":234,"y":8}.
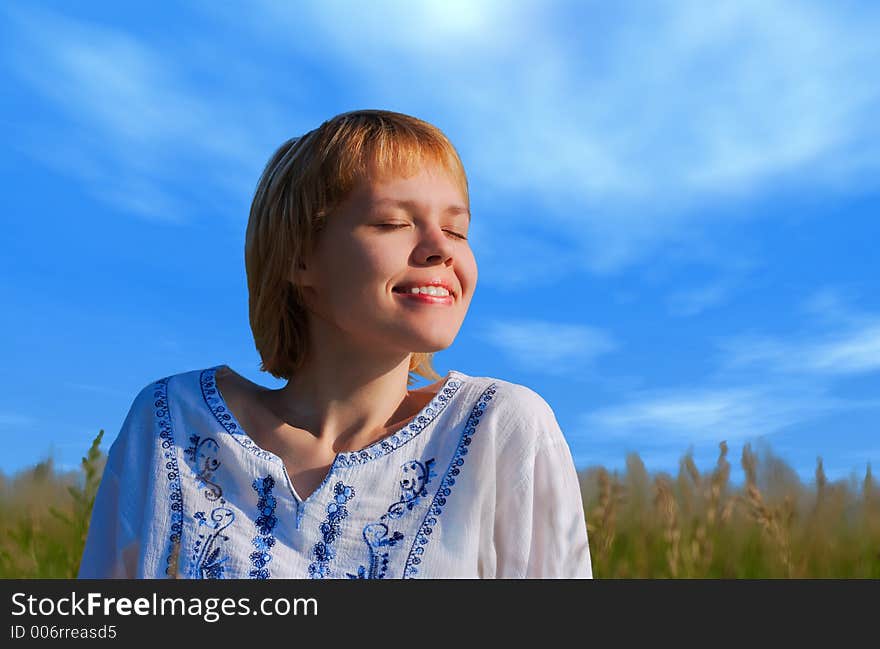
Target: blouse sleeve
{"x":112,"y":546}
{"x":540,"y":529}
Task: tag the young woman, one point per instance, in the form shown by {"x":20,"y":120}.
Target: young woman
{"x":358,"y":269}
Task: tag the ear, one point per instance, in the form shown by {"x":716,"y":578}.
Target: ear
{"x":299,"y":273}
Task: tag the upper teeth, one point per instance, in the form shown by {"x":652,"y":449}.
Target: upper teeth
{"x":429,"y":290}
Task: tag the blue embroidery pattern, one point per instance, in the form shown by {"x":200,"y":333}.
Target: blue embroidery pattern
{"x":323,"y":551}
{"x":218,"y":407}
{"x":203,"y":456}
{"x":206,"y":562}
{"x":166,"y":434}
{"x":376,"y":534}
{"x":265,"y":523}
{"x":383,"y":447}
{"x":436,"y":508}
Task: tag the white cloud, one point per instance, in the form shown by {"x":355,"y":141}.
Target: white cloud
{"x":762,"y":386}
{"x":546,"y":346}
{"x":853,"y":353}
{"x":132,"y":122}
{"x":694,"y":301}
{"x":703,"y":415}
{"x":848,"y":352}
{"x":831,"y":306}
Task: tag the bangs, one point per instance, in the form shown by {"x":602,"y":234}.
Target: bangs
{"x":371,"y":146}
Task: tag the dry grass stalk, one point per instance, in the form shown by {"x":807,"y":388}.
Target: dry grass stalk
{"x":774,"y":522}
{"x":664,"y":502}
{"x":692,"y":470}
{"x":601,"y":522}
{"x":717,"y":513}
{"x":821,"y":483}
{"x":717,"y":484}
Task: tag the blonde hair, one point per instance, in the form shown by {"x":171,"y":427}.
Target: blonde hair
{"x":303,"y":182}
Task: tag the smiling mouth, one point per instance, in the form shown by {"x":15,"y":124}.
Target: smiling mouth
{"x":410,"y":291}
{"x":424,"y":298}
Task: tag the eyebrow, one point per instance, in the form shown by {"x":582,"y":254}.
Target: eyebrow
{"x":413,"y":205}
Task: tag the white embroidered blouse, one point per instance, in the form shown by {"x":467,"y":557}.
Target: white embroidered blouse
{"x":480,"y":484}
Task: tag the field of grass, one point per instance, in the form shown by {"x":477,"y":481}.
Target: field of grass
{"x":44,"y":517}
{"x":640,"y":524}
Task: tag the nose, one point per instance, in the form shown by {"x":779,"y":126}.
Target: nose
{"x":434,"y":246}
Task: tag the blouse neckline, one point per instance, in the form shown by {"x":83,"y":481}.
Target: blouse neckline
{"x":438,"y":403}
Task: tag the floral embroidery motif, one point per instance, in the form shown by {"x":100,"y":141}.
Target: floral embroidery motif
{"x":203,"y":455}
{"x":205,"y":559}
{"x":455,"y":464}
{"x":435,"y":407}
{"x":206,"y":562}
{"x":412,"y":489}
{"x":166,"y":434}
{"x":265,"y":523}
{"x":218,"y":407}
{"x":323,"y":552}
{"x":376,"y":534}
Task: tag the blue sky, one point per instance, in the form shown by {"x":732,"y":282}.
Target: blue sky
{"x":675,"y":207}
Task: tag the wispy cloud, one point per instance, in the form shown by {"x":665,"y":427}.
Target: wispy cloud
{"x":832,"y":306}
{"x":131,"y":122}
{"x":855,"y":350}
{"x":761,"y":386}
{"x":546,"y":346}
{"x":708,"y":415}
{"x":694,"y":301}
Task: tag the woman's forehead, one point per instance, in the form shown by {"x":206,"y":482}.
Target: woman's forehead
{"x":398,"y":187}
{"x":455,"y":208}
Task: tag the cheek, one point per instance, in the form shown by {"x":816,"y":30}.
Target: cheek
{"x":381,"y":262}
{"x":358,"y":270}
{"x":346,"y":258}
{"x":468,"y":268}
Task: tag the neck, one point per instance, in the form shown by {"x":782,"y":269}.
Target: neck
{"x":347,"y":403}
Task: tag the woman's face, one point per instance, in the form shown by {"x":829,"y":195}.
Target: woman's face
{"x":388,"y":235}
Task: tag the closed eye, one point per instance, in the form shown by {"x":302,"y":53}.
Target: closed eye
{"x":394,"y":226}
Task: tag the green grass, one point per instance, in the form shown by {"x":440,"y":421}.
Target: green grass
{"x":45,"y":517}
{"x":697,"y":525}
{"x":641,"y":524}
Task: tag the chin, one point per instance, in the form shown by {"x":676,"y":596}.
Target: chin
{"x":429,"y":347}
{"x":418,"y":340}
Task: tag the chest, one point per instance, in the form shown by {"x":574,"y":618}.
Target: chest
{"x":399,"y":515}
{"x":306,"y":469}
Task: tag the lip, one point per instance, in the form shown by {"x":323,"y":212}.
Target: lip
{"x":424,"y":298}
{"x":437,"y":281}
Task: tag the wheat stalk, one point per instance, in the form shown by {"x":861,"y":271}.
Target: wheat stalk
{"x":665,"y":503}
{"x":771,"y":520}
{"x":601,"y":522}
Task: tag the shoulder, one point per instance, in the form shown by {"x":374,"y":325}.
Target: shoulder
{"x":149,"y":414}
{"x":511,"y":400}
{"x":152,"y":398}
{"x":180,"y":384}
{"x":522,"y":416}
